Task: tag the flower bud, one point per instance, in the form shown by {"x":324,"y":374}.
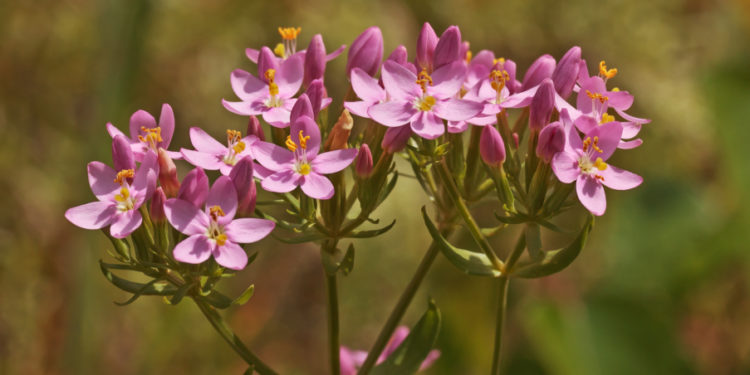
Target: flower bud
{"x":316,"y":92}
{"x":339,"y":135}
{"x":122,"y":154}
{"x":395,"y":139}
{"x":516,"y":141}
{"x":194,"y":188}
{"x":315,"y":60}
{"x":540,"y":109}
{"x":566,"y":72}
{"x":551,"y":141}
{"x":366,"y":52}
{"x":539,"y":70}
{"x":363,"y":162}
{"x":168,"y":174}
{"x":266,"y":60}
{"x":491,"y":147}
{"x":448,"y":48}
{"x":302,"y":107}
{"x":254,"y":128}
{"x":399,"y":55}
{"x":242,"y":178}
{"x":426,"y":47}
{"x":157,"y":206}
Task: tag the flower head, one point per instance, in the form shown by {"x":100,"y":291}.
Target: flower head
{"x":212,"y":155}
{"x":352,"y":360}
{"x":146,"y":135}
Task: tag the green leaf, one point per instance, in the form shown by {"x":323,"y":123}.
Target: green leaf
{"x":408,"y":356}
{"x":335,"y":261}
{"x":180,"y":293}
{"x":217,"y":300}
{"x":388,"y":189}
{"x":153,"y":288}
{"x":468,"y":261}
{"x":347,"y":264}
{"x":556,"y":260}
{"x":245,"y":296}
{"x":307,"y":237}
{"x":516,"y":219}
{"x":372,"y":232}
{"x":533,"y":240}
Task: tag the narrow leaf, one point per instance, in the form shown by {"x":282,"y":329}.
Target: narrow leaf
{"x":245,"y":296}
{"x":372,"y":232}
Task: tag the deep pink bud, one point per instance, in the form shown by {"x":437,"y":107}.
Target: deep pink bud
{"x":242,"y":178}
{"x":122,"y":154}
{"x":566,"y":72}
{"x":366,"y":51}
{"x":551,"y":141}
{"x":168,"y":174}
{"x":399,"y":55}
{"x":266,"y":60}
{"x":539,"y":70}
{"x":426,"y":47}
{"x":315,"y":60}
{"x":316,"y":92}
{"x":254,"y":128}
{"x":542,"y":104}
{"x":157,"y":206}
{"x":363,"y":162}
{"x":491,"y":147}
{"x":515,"y":140}
{"x":448,"y":48}
{"x":395,"y":139}
{"x":302,"y":107}
{"x":194,"y":188}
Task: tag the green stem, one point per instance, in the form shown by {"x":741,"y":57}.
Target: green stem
{"x":223,"y":329}
{"x":500,"y":322}
{"x":333,"y":324}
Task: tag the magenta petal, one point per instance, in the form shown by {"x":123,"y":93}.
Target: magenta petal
{"x":457,"y":109}
{"x":114,"y":132}
{"x":455,"y":127}
{"x":290,"y":74}
{"x":241,"y":108}
{"x":252,"y":54}
{"x":521,"y":99}
{"x":392,"y":114}
{"x":317,"y":186}
{"x":272,"y":156}
{"x":185,"y":217}
{"x":246,"y":86}
{"x":94,"y":215}
{"x":432,"y":356}
{"x":447,"y":80}
{"x":224,"y":195}
{"x":366,"y":87}
{"x":632,"y":119}
{"x":277,"y":117}
{"x":194,"y":187}
{"x":400,"y":83}
{"x":333,"y":161}
{"x":144,"y":182}
{"x":281,"y":182}
{"x":248,"y":230}
{"x":140,"y":119}
{"x":609,"y":137}
{"x":336,"y":53}
{"x":427,"y":125}
{"x":591,"y":194}
{"x":586,"y":123}
{"x":204,"y":142}
{"x":166,"y":123}
{"x":565,"y":167}
{"x":194,"y":249}
{"x":231,"y":256}
{"x":359,"y":108}
{"x":629,"y":145}
{"x":308,"y":127}
{"x":125,"y":223}
{"x":348,"y":366}
{"x":620,"y":179}
{"x":630,"y":129}
{"x":102,"y":180}
{"x":621,"y":100}
{"x":399,"y":335}
{"x":203,"y":160}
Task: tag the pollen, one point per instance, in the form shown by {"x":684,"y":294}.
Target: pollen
{"x":273,"y":88}
{"x":468,"y":56}
{"x":600,"y":165}
{"x":499,"y":60}
{"x":123,"y":196}
{"x":423,"y":79}
{"x":221,"y":239}
{"x":153,"y":135}
{"x":289,"y":33}
{"x":124,"y":174}
{"x":597,"y":96}
{"x":233,"y":136}
{"x":425,"y":104}
{"x":279,"y":50}
{"x":239,"y":147}
{"x":498,"y":79}
{"x":304,"y":169}
{"x":303,"y":140}
{"x":588,"y":143}
{"x":606,"y":117}
{"x":215,"y":212}
{"x":606,"y":73}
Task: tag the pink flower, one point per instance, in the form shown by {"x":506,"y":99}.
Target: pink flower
{"x":583,"y":161}
{"x":423,"y":101}
{"x":212,"y":155}
{"x":288,"y":48}
{"x":368,"y":89}
{"x":352,"y":360}
{"x":214,"y":231}
{"x":300,"y":164}
{"x":146,"y":135}
{"x":119,"y":199}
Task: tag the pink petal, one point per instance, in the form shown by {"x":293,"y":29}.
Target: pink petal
{"x":586,"y":123}
{"x":621,"y":100}
{"x":455,"y":127}
{"x":272,"y":156}
{"x":185,"y":217}
{"x":427,"y":125}
{"x":102,"y":180}
{"x":94,"y":215}
{"x":392,"y":114}
{"x":521,"y":99}
{"x":241,"y":108}
{"x":432,"y":356}
{"x":281,"y":182}
{"x":629,"y":145}
{"x":246,"y":86}
{"x":260,"y":172}
{"x":630,"y":129}
{"x":609,"y":137}
{"x":114,"y":132}
{"x":574,"y":141}
{"x":633,"y":119}
{"x":205,"y":143}
{"x":308,"y":127}
{"x":224,"y":195}
{"x":565,"y":167}
{"x":447,"y":80}
{"x":194,"y":249}
{"x":366,"y":87}
{"x":201,"y":159}
{"x":144,"y":181}
{"x":231,"y":256}
{"x":166,"y":123}
{"x":620,"y":179}
{"x":359,"y":108}
{"x":248,"y":230}
{"x":290,"y":74}
{"x":140,"y":119}
{"x":399,"y":82}
{"x":396,"y":339}
{"x":562,"y":105}
{"x":335,"y":53}
{"x":252,"y":54}
{"x":316,"y":186}
{"x":125,"y":223}
{"x":457,"y":109}
{"x":591,"y":194}
{"x":333,"y":161}
{"x":348,"y":366}
{"x":277,"y":117}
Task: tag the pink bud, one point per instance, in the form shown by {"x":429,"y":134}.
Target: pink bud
{"x":157,"y":206}
{"x":426,"y":47}
{"x":566,"y":72}
{"x":448,"y":48}
{"x":539,"y":70}
{"x":399,"y":55}
{"x":122,"y":154}
{"x":542,"y":104}
{"x":491,"y":146}
{"x":302,"y":107}
{"x":366,"y":51}
{"x":363,"y":162}
{"x":315,"y":60}
{"x":316,"y":92}
{"x":551,"y":141}
{"x":242,"y":178}
{"x":266,"y":60}
{"x":168,"y":174}
{"x":395,"y":139}
{"x":254,"y":128}
{"x":515,"y":140}
{"x":194,"y":188}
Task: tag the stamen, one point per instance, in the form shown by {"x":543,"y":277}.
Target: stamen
{"x":468,"y":56}
{"x":221,"y":239}
{"x":233,"y":136}
{"x":239,"y":147}
{"x":279,"y":50}
{"x":498,"y":79}
{"x":215,"y":212}
{"x":290,"y":144}
{"x":587,"y":143}
{"x":289,"y":33}
{"x":124,"y":174}
{"x":304,"y":169}
{"x":273,"y":88}
{"x":153,"y":135}
{"x":303,"y":140}
{"x":426,"y":103}
{"x":597,"y":96}
{"x":423,"y":79}
{"x":600,"y":165}
{"x":606,"y":117}
{"x":606,"y":73}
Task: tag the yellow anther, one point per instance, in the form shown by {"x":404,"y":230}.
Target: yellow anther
{"x":600,"y":164}
{"x":221,"y":239}
{"x":498,"y":79}
{"x":290,"y":144}
{"x":124,"y":174}
{"x":616,"y":89}
{"x":289,"y":33}
{"x":239,"y":147}
{"x":606,"y":117}
{"x":304,"y":169}
{"x":270,"y":74}
{"x":468,"y":56}
{"x":303,"y":140}
{"x":215,"y":212}
{"x":233,"y":136}
{"x":597,"y":96}
{"x":423,"y":79}
{"x":426,"y":103}
{"x":606,"y":73}
{"x":273,"y":88}
{"x":279,"y":50}
{"x":153,"y":135}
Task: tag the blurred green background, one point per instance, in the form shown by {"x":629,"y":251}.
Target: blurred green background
{"x":662,"y":287}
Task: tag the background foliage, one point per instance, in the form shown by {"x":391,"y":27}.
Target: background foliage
{"x":661,"y":288}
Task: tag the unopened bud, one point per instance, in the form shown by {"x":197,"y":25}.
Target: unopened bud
{"x":399,"y":55}
{"x":339,"y":135}
{"x":426,"y":43}
{"x":315,"y":60}
{"x":448,"y":48}
{"x":242,"y":178}
{"x":515,"y":140}
{"x":395,"y":139}
{"x":491,"y":147}
{"x":542,"y":104}
{"x":566,"y":72}
{"x":168,"y":174}
{"x":254,"y":128}
{"x":540,"y":69}
{"x":366,"y":52}
{"x":266,"y":61}
{"x":551,"y":141}
{"x":302,"y":107}
{"x":157,"y":206}
{"x":316,"y":92}
{"x":194,"y":188}
{"x":363,"y":162}
{"x":122,"y":154}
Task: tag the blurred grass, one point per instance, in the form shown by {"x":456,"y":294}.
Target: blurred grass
{"x":661,"y":289}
